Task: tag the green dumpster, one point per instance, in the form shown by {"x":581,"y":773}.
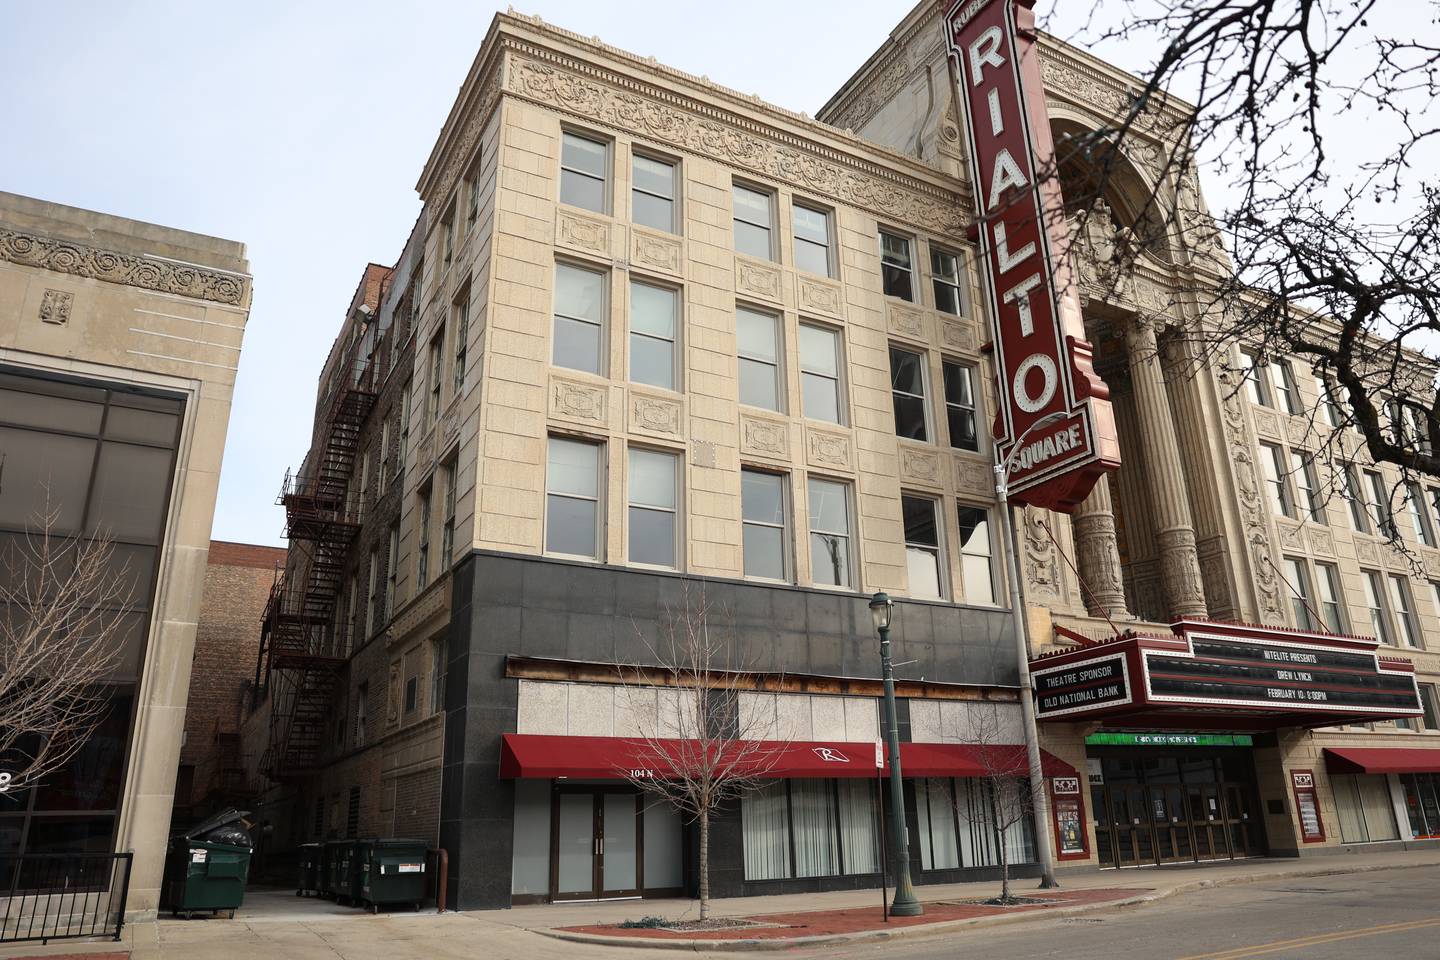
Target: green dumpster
{"x":392,"y":872}
{"x":343,"y":870}
{"x":207,"y":866}
{"x":310,"y":863}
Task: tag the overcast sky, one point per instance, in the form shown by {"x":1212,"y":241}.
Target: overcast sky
{"x":300,"y":129}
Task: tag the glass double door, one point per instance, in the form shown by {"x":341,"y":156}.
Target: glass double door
{"x":596,"y":843}
{"x":1172,"y":822}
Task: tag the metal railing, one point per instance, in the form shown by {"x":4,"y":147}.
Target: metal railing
{"x":58,"y":896}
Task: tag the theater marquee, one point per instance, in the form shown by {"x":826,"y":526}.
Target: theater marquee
{"x":1042,"y":359}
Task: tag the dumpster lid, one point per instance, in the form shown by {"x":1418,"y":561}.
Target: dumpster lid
{"x":221,"y":819}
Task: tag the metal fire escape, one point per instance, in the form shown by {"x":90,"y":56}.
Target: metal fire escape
{"x":302,"y":641}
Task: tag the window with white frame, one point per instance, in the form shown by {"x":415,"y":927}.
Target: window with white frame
{"x":372,"y":583}
{"x":1327,"y":400}
{"x":447,"y":237}
{"x":382,"y":476}
{"x":897,"y":266}
{"x":977,"y":554}
{"x":757,"y":337}
{"x":1430,"y":704}
{"x":1355,"y":499}
{"x":462,"y":341}
{"x":654,"y":312}
{"x":1255,"y":387}
{"x":392,"y":570}
{"x":812,"y":241}
{"x":652,"y":507}
{"x":754,"y":221}
{"x":1419,"y":518}
{"x":820,"y":373}
{"x":422,"y":552}
{"x":1277,"y":485}
{"x":447,"y":529}
{"x":809,"y":828}
{"x":1379,"y":609}
{"x":1403,"y":606}
{"x":572,"y":498}
{"x":907,"y":393}
{"x":437,"y":370}
{"x":1378,"y":502}
{"x":1332,"y":604}
{"x":652,"y":192}
{"x":960,"y":405}
{"x":764,"y":518}
{"x":1300,"y":593}
{"x":472,"y":193}
{"x":830,"y":562}
{"x":584,"y":171}
{"x":922,"y":546}
{"x":438,"y":652}
{"x":1309,"y":502}
{"x":1282,"y":387}
{"x":362,"y":712}
{"x":947,"y":278}
{"x":579,"y":334}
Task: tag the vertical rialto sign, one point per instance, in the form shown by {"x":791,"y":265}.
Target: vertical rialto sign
{"x":1042,"y":359}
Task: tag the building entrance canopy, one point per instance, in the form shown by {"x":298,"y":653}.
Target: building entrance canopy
{"x":1212,"y":675}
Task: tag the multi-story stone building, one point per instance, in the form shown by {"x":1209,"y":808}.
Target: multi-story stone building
{"x":119,"y":343}
{"x":670,"y":338}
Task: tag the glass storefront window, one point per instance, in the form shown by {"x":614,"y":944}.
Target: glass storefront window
{"x":824,"y":828}
{"x":1422,"y":803}
{"x":956,"y":830}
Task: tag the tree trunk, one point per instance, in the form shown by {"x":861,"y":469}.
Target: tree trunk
{"x":705,"y":864}
{"x":1000,"y":845}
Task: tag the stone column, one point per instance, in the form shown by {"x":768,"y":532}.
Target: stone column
{"x":1099,"y":554}
{"x":1174,"y":530}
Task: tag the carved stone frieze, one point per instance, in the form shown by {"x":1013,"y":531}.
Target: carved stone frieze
{"x":1267,"y":424}
{"x":582,"y":233}
{"x":1298,"y":430}
{"x":1098,"y":553}
{"x":655,"y":415}
{"x":920,"y":466}
{"x":1322,"y":542}
{"x":1216,"y":578}
{"x":655,"y":252}
{"x":1180,"y":572}
{"x":819,"y":296}
{"x":55,"y":307}
{"x":877,"y":92}
{"x":826,"y":449}
{"x":1240,"y":448}
{"x":958,"y":335}
{"x":1432,"y":564}
{"x":149,"y":273}
{"x":1366,"y":551}
{"x":975,"y":477}
{"x":580,"y":402}
{"x":1042,"y":562}
{"x":1291,"y":536}
{"x":906,"y":321}
{"x":464,"y":150}
{"x":679,"y":122}
{"x":763,"y":437}
{"x":757,"y":279}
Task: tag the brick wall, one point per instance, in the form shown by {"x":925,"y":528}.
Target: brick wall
{"x":417,"y":805}
{"x":238,"y":577}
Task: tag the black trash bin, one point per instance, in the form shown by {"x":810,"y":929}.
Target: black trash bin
{"x":392,"y":873}
{"x":343,"y":871}
{"x":208,"y":865}
{"x":310,"y":866}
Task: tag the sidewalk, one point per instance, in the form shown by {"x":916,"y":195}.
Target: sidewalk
{"x":276,"y":926}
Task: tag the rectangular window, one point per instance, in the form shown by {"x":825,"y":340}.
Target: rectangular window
{"x":1355,"y":500}
{"x":812,"y":241}
{"x":392,"y":571}
{"x":1332,"y":606}
{"x":829,"y":532}
{"x":572,"y":498}
{"x":412,"y":694}
{"x":758,"y":344}
{"x":1327,"y":401}
{"x":1434,"y":502}
{"x":897,"y":271}
{"x":1419,"y":518}
{"x":1379,"y":615}
{"x":1379,"y":503}
{"x":977,"y":551}
{"x":406,"y":410}
{"x":809,"y":828}
{"x":584,"y":166}
{"x":362,"y":710}
{"x":372,"y":583}
{"x":1277,"y":485}
{"x":462,"y":342}
{"x":437,"y":369}
{"x":922,"y":547}
{"x":765,"y":831}
{"x":383,"y":475}
{"x":422,"y":553}
{"x":947,"y":276}
{"x":1300,"y":594}
{"x":820,"y":373}
{"x":652,"y":192}
{"x":907,"y":393}
{"x":754,"y":222}
{"x":1430,"y":703}
{"x":579,"y":319}
{"x":653,"y":312}
{"x":652,"y":508}
{"x":438,"y":650}
{"x":447,"y":530}
{"x":764,"y":516}
{"x":1282,"y":385}
{"x":472,"y":205}
{"x":960,"y":405}
{"x":1255,"y":387}
{"x":447,"y":237}
{"x":1302,"y":468}
{"x":1403,"y":606}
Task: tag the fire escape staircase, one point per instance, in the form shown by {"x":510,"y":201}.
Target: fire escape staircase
{"x":303,"y":642}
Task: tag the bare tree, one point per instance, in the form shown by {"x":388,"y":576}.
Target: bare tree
{"x":999,"y":800}
{"x":699,"y":747}
{"x":62,"y":608}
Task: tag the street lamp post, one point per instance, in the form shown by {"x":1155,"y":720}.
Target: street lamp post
{"x":904,"y":904}
{"x":1039,"y":802}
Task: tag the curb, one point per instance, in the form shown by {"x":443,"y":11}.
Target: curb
{"x":947,"y":926}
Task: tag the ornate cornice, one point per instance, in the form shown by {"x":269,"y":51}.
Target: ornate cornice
{"x":882,"y":75}
{"x":598,"y":96}
{"x":149,"y":273}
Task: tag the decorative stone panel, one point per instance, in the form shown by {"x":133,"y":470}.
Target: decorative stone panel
{"x":1365,"y":551}
{"x":764,"y":437}
{"x":920,"y":467}
{"x":1432,"y":564}
{"x":582,"y":233}
{"x":825,"y":449}
{"x":1267,"y":424}
{"x":655,"y":415}
{"x":906,"y":321}
{"x":819,"y":296}
{"x":757,"y":280}
{"x":55,"y":307}
{"x":652,"y":251}
{"x":1299,"y":430}
{"x":958,"y":335}
{"x":974,"y":477}
{"x":1322,"y":542}
{"x":578,"y":402}
{"x":1291,"y":536}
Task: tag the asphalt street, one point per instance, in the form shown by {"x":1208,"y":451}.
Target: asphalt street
{"x":1389,"y":914}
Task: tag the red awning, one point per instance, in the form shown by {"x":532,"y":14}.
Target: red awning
{"x":1382,"y":760}
{"x":544,"y":757}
